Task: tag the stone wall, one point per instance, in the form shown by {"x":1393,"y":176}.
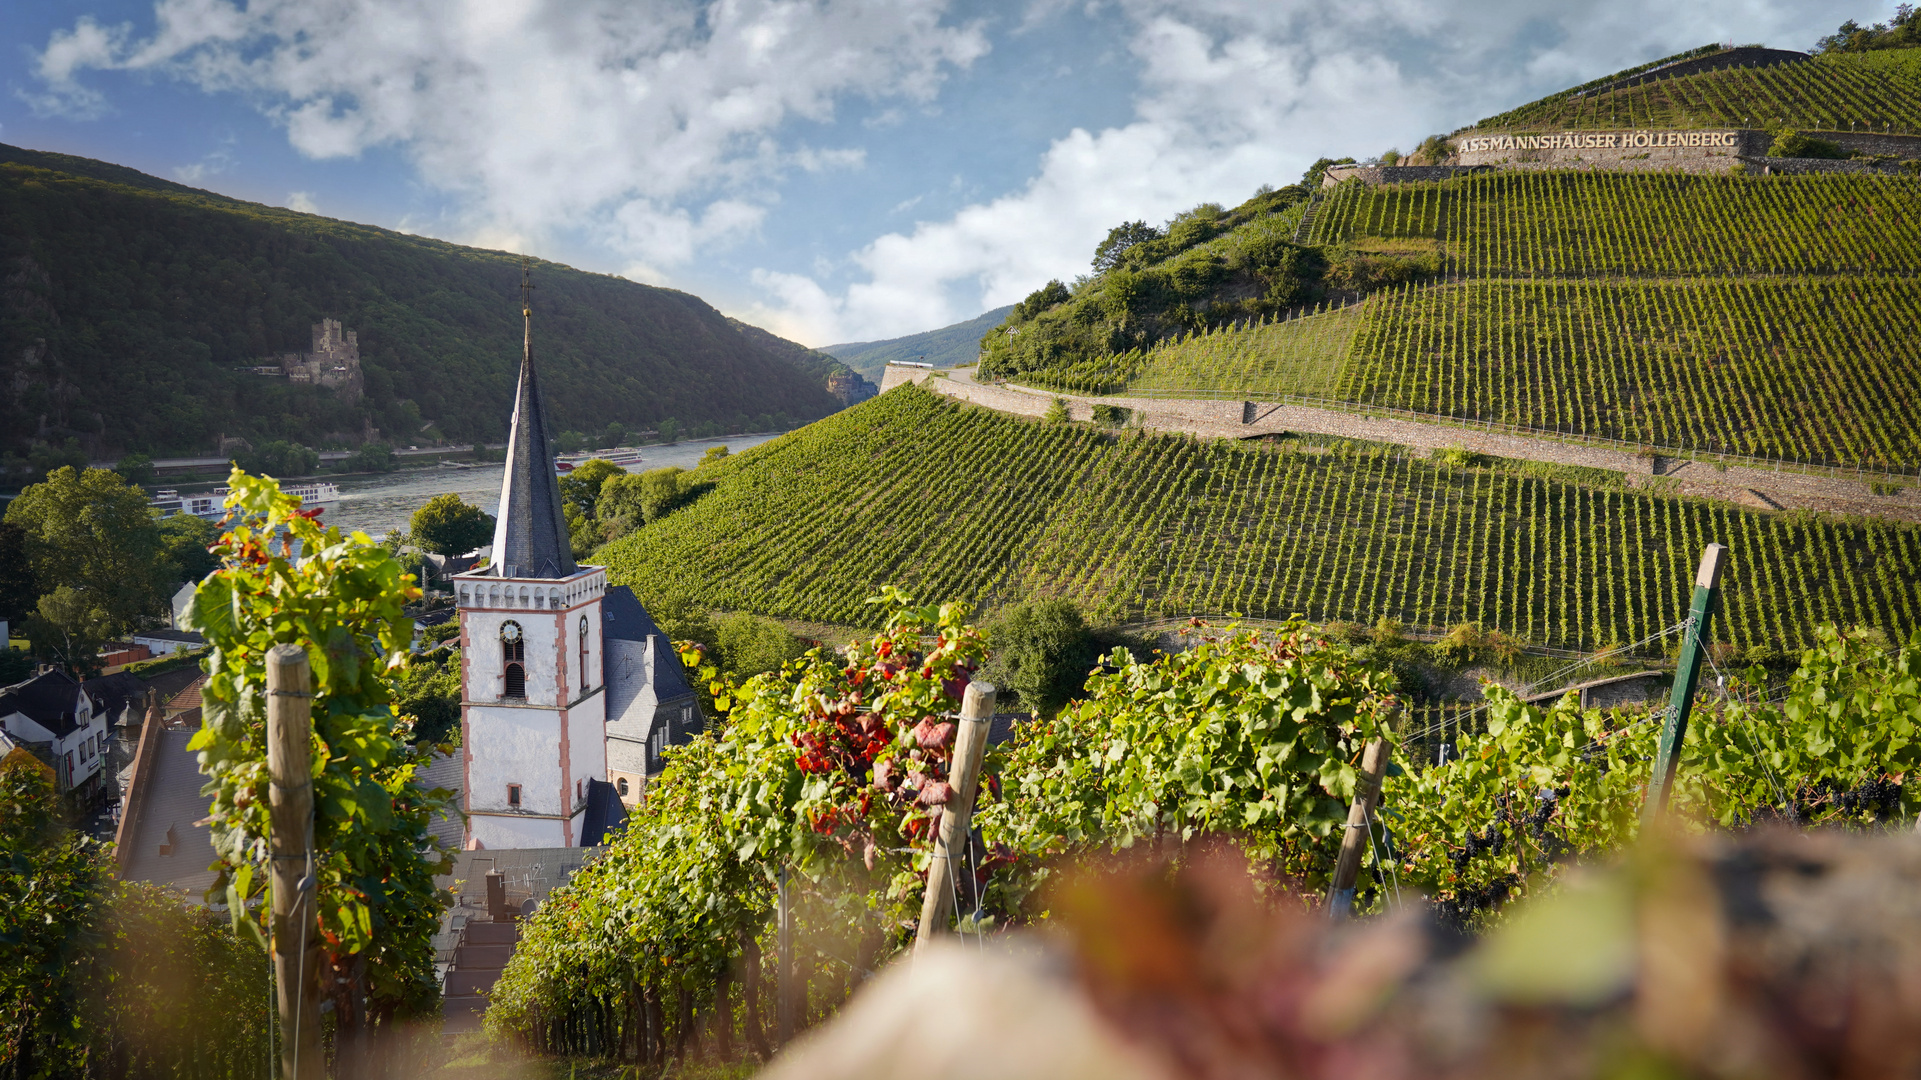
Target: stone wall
{"x":1703,"y":150}
{"x":1396,"y":174}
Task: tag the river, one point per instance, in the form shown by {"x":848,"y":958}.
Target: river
{"x":377,"y":505}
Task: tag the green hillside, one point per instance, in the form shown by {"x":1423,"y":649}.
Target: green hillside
{"x":129,"y":302}
{"x":1834,"y":92}
{"x":948,"y":500}
{"x":1765,"y":316}
{"x":950,"y":346}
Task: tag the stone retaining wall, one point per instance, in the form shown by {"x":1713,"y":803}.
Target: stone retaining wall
{"x":1755,"y":488}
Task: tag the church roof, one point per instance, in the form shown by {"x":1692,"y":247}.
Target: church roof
{"x":530,"y":534}
{"x":605,"y":814}
{"x":624,"y":619}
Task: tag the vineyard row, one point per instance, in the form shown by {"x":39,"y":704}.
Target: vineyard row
{"x":951,"y":501}
{"x":1583,"y":224}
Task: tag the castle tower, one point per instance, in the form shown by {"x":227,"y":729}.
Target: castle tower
{"x":533,"y":707}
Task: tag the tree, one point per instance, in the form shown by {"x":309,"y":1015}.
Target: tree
{"x":136,"y":469}
{"x":69,"y":627}
{"x":19,"y":588}
{"x":448,"y":526}
{"x":668,"y":430}
{"x":373,"y":457}
{"x":94,"y":532}
{"x":281,"y":458}
{"x":1057,"y":412}
{"x":619,"y":508}
{"x":660,"y":492}
{"x":713,"y":454}
{"x":427,"y":690}
{"x":581,"y":487}
{"x":1107,"y":254}
{"x":184,"y":540}
{"x":1042,"y":651}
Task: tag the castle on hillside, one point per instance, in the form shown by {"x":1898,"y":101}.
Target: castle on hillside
{"x":334,"y":361}
{"x":569,"y":691}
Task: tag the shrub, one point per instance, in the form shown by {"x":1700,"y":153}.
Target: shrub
{"x":751,"y":644}
{"x":1793,"y":144}
{"x":1041,"y":650}
{"x":1057,"y":412}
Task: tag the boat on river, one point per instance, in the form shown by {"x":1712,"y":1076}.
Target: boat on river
{"x":211,"y":504}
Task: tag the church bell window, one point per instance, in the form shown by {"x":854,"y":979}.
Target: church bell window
{"x":586,"y":679}
{"x":513,"y":656}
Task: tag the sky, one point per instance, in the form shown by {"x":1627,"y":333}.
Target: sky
{"x":832,"y":170}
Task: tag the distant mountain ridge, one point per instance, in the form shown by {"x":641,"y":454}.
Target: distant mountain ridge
{"x":132,"y":310}
{"x":950,"y":346}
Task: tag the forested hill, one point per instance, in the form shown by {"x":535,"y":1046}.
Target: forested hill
{"x":950,"y":346}
{"x":127,"y":303}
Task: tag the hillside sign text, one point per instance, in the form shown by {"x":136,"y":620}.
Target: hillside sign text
{"x":1601,"y":140}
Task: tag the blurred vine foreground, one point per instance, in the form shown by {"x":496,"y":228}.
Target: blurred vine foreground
{"x":284,"y":579}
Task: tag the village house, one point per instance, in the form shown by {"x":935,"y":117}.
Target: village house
{"x":52,"y":716}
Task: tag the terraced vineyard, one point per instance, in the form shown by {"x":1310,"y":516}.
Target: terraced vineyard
{"x":1822,"y":370}
{"x":1301,"y":356}
{"x":1578,"y":224}
{"x":951,"y":501}
{"x":1874,"y":90}
{"x":1772,"y":317}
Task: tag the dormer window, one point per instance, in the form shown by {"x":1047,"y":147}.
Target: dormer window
{"x":513,"y":658}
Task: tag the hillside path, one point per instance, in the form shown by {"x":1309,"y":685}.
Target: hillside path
{"x":1759,"y":489}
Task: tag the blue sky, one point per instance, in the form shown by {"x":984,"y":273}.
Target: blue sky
{"x":833,"y":170}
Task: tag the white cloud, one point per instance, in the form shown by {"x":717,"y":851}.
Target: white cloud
{"x":657,"y":122}
{"x":1234,"y":94}
{"x":218,"y":161}
{"x":302,"y":202}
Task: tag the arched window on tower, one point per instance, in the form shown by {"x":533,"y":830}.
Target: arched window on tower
{"x":586,"y":679}
{"x":513,"y":657}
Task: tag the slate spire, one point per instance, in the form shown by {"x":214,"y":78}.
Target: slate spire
{"x":530,"y":534}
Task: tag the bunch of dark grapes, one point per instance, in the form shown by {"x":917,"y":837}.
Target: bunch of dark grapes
{"x":1490,"y":841}
{"x":1457,"y":910}
{"x":1880,"y":798}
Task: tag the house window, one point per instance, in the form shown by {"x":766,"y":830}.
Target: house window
{"x":580,"y":789}
{"x":513,"y":656}
{"x":513,"y":796}
{"x":586,"y":681}
{"x":69,"y":766}
{"x":620,"y":785}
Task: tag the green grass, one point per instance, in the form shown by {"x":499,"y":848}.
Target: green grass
{"x":949,"y":501}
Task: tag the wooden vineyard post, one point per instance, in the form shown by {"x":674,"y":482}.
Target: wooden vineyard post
{"x":295,"y":945}
{"x":970,"y":743}
{"x":1707,"y":582}
{"x":784,"y":966}
{"x":1360,"y":814}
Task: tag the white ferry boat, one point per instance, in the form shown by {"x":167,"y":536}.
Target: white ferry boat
{"x":210,"y":505}
{"x":626,"y":459}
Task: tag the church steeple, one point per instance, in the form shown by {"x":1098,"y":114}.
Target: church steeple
{"x":530,"y":535}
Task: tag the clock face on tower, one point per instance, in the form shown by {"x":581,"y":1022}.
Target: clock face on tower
{"x":510,"y":632}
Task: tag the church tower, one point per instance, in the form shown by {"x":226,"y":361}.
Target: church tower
{"x":533,"y":707}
